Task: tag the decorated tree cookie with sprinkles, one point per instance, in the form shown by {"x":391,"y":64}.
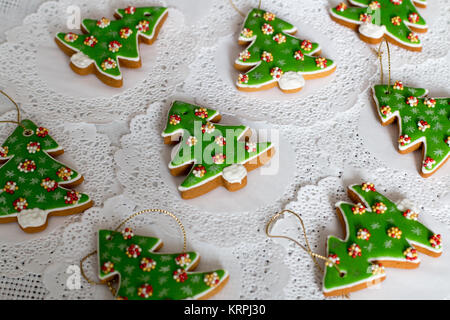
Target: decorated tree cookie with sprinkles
{"x":422,"y":121}
{"x":275,"y":57}
{"x":146,"y":275}
{"x":33,"y":185}
{"x":108,"y":44}
{"x":396,"y":20}
{"x":210,"y":154}
{"x":385,"y":234}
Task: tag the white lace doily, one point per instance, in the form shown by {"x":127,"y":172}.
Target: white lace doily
{"x":114,"y":139}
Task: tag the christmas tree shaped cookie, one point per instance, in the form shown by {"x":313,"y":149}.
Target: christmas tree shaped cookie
{"x":397,"y":20}
{"x":32,"y":183}
{"x":274,"y":56}
{"x":378,"y":234}
{"x":422,"y":121}
{"x":210,"y":154}
{"x":108,"y":44}
{"x":146,"y":275}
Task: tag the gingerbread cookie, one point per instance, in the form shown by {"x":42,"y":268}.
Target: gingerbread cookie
{"x":108,"y":44}
{"x":146,"y":275}
{"x":397,"y":20}
{"x":275,"y":57}
{"x":210,"y":154}
{"x":33,"y":185}
{"x":422,"y":121}
{"x":378,"y":234}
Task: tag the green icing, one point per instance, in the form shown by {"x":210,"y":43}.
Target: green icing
{"x":112,"y":248}
{"x":100,"y":52}
{"x":29,"y":183}
{"x":436,"y":138}
{"x":283,"y":53}
{"x":380,"y":246}
{"x":382,"y":16}
{"x":206,"y":148}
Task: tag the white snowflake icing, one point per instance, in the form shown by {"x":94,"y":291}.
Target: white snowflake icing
{"x":417,"y":231}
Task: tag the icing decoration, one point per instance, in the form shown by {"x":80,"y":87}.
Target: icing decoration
{"x":429,"y":162}
{"x":363,"y":234}
{"x":147,"y":264}
{"x":266,"y":56}
{"x":32,"y":217}
{"x":394,"y":232}
{"x":214,"y":149}
{"x":245,"y":55}
{"x":421,"y":121}
{"x":392,"y":19}
{"x":354,"y":250}
{"x":49,"y":185}
{"x":374,"y":241}
{"x":396,"y":21}
{"x":404,"y":140}
{"x":398,"y":85}
{"x":127,"y":233}
{"x":287,"y":53}
{"x":150,"y":275}
{"x":358,"y":209}
{"x":410,"y":215}
{"x":10,"y":187}
{"x":368,"y":186}
{"x":377,"y":269}
{"x":29,"y":179}
{"x":334,"y":260}
{"x":411,"y":254}
{"x":412,"y":101}
{"x":234,"y":173}
{"x":430,"y":102}
{"x":212,"y":279}
{"x":423,"y":125}
{"x":413,"y":37}
{"x":371,"y":30}
{"x":341,"y":7}
{"x":365,"y":18}
{"x":106,"y":41}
